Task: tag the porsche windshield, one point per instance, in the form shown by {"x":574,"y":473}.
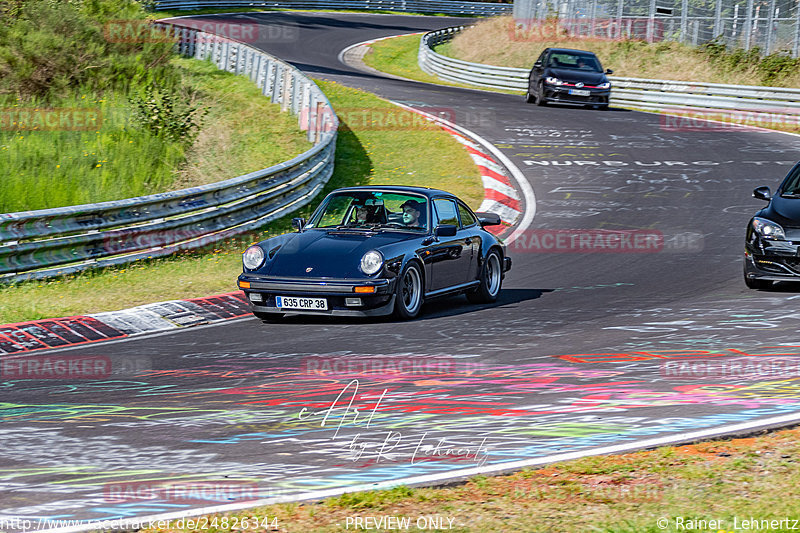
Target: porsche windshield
{"x":372,"y":210}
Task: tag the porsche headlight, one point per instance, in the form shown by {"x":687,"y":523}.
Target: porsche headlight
{"x":606,"y":85}
{"x":371,"y":262}
{"x":553,"y":81}
{"x":768,"y":229}
{"x":253,"y":257}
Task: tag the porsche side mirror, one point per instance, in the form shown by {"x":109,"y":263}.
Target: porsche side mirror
{"x":609,"y":71}
{"x":445,"y":230}
{"x":298,"y":223}
{"x":538,"y":64}
{"x":488,"y":219}
{"x":762,"y":193}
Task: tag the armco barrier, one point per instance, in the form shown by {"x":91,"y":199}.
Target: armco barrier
{"x":631,"y":92}
{"x":412,"y":6}
{"x":39,"y":244}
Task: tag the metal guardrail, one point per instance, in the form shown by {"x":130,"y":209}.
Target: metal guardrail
{"x":413,"y":6}
{"x":631,"y":92}
{"x":40,"y":244}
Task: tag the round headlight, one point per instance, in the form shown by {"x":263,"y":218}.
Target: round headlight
{"x":253,"y":257}
{"x":371,"y":262}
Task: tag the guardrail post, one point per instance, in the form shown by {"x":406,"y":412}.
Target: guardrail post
{"x":256,"y":74}
{"x":312,"y":119}
{"x":305,"y":107}
{"x":199,"y":48}
{"x":226,"y":55}
{"x":295,"y":93}
{"x":267,"y":87}
{"x":276,"y":84}
{"x":248,"y":62}
{"x":286,"y":90}
{"x":237,"y":49}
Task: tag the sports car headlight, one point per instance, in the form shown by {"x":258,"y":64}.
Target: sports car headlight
{"x":253,"y":257}
{"x":606,"y":85}
{"x":371,"y":262}
{"x":553,"y":81}
{"x":768,"y":229}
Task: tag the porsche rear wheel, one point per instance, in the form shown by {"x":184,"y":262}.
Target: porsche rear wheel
{"x":408,"y":293}
{"x":491,"y":279}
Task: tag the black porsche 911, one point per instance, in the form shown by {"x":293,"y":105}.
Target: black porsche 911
{"x":369,"y":251}
{"x":772,"y":242}
{"x":568,"y":76}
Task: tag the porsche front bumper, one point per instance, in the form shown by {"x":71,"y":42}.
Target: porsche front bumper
{"x":340,"y":294}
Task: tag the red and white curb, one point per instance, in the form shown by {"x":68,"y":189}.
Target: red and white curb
{"x":506,"y":190}
{"x":500,"y":196}
{"x":52,"y":333}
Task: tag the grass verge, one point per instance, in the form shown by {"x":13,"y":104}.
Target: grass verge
{"x":398,"y":56}
{"x":495,"y":41}
{"x":682,"y":488}
{"x":371,"y":149}
{"x":242,"y":132}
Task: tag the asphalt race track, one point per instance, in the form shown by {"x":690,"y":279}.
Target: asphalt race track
{"x":583,"y":350}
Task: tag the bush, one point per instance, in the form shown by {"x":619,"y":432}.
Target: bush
{"x":50,"y":49}
{"x":167,"y":114}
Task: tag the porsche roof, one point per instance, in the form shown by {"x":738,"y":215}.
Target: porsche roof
{"x":425,"y":191}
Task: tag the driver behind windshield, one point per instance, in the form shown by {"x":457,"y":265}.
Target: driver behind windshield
{"x":411,"y":213}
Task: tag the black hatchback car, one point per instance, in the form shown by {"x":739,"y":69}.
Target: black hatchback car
{"x":369,"y":251}
{"x":772,"y":242}
{"x":569,"y":76}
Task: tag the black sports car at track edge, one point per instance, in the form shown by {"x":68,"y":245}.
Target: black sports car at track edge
{"x":369,"y":251}
{"x":568,"y":76}
{"x":772,"y":242}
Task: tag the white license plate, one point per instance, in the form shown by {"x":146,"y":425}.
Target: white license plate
{"x":293,"y":302}
{"x":579,"y":92}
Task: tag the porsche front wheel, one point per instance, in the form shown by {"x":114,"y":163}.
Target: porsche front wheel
{"x":408,"y":292}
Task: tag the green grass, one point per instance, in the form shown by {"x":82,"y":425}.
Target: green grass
{"x":495,"y":41}
{"x":242,"y":132}
{"x":751,"y":478}
{"x":398,"y":56}
{"x":364,"y":155}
